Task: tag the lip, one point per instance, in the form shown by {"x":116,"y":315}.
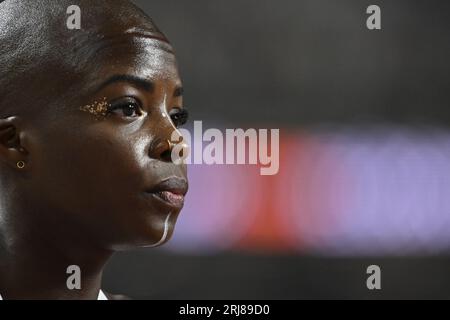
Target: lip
{"x":170,"y":191}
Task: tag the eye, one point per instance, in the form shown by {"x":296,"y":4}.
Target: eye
{"x":179,"y":116}
{"x":127,"y":108}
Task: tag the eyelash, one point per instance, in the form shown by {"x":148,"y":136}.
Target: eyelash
{"x":125,"y":103}
{"x":179,"y":118}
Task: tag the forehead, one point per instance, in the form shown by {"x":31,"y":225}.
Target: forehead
{"x":126,"y":43}
{"x":115,"y":37}
{"x":144,"y":57}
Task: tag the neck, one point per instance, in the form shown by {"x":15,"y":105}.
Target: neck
{"x":35,"y":264}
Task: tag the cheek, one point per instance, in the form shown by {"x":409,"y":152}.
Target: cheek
{"x":93,"y":173}
{"x":96,"y":179}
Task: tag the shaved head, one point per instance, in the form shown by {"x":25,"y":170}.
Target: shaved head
{"x":86,"y":119}
{"x":42,"y":62}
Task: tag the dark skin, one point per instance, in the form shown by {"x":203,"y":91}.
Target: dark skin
{"x":91,"y":184}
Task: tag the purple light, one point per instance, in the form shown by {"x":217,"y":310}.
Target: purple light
{"x":380,"y":192}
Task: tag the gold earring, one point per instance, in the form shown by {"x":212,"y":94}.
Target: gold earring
{"x":20,"y":164}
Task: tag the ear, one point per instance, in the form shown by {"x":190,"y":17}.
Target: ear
{"x":11,"y":150}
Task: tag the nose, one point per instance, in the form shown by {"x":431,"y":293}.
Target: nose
{"x":162,"y":150}
{"x":167,"y":138}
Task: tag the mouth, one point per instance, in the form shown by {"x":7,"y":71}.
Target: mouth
{"x":170,"y":191}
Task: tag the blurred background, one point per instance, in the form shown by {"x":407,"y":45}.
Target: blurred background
{"x":364,"y":153}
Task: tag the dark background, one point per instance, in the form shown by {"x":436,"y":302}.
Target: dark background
{"x":294,"y":64}
{"x":158,"y":275}
{"x":302,"y":62}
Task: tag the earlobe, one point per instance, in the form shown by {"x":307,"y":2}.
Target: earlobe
{"x":11,"y":150}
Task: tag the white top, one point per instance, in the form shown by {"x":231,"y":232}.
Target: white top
{"x":101,"y":296}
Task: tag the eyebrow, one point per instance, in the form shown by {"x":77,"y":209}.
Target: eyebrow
{"x":138,"y":82}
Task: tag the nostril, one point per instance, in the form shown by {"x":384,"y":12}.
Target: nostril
{"x":160,"y":149}
{"x":166,"y":155}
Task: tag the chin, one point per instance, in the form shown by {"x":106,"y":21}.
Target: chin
{"x":142,"y":229}
{"x":153,"y":236}
{"x":141,"y":243}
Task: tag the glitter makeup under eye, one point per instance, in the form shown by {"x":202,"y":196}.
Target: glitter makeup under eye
{"x":97,"y":109}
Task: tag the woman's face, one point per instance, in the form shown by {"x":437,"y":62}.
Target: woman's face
{"x":101,"y":167}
